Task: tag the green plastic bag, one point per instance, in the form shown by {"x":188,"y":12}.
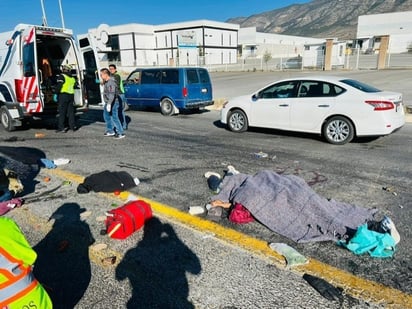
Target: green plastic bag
{"x":380,"y":245}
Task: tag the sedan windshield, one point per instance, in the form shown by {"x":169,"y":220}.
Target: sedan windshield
{"x":359,"y":85}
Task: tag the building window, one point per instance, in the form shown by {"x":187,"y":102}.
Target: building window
{"x":113,"y":56}
{"x":165,"y":40}
{"x":113,"y":42}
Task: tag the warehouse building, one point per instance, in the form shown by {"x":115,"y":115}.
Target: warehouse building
{"x":398,"y":26}
{"x":199,"y":42}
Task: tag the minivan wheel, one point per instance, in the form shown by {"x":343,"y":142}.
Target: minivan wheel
{"x":6,"y":119}
{"x":237,"y":121}
{"x":338,"y":130}
{"x":167,"y":107}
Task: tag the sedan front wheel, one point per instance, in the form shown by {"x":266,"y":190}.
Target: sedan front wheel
{"x":338,"y":130}
{"x":237,"y":121}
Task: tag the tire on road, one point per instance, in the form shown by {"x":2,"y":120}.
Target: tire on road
{"x":6,"y":119}
{"x":338,"y":130}
{"x":167,"y":107}
{"x":237,"y":121}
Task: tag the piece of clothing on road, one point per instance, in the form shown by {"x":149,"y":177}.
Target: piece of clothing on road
{"x":108,"y":181}
{"x":6,"y":206}
{"x":10,"y":185}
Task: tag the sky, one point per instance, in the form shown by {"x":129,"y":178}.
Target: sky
{"x":81,"y":15}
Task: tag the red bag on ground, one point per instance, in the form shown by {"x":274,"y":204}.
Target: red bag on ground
{"x":239,"y":214}
{"x":124,"y":220}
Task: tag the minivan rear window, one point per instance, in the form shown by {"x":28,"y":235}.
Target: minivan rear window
{"x":192,"y":77}
{"x":204,"y":76}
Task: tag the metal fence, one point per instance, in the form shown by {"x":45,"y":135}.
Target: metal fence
{"x":353,"y":60}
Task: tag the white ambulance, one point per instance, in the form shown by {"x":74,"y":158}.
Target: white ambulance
{"x":30,"y":59}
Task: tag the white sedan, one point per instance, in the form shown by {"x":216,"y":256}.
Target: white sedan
{"x":338,"y":108}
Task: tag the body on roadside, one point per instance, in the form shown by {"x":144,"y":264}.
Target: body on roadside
{"x":288,"y":206}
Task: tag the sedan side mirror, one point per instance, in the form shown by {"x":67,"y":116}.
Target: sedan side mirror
{"x":255,"y":97}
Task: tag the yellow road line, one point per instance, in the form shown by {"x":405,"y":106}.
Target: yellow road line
{"x":355,"y":286}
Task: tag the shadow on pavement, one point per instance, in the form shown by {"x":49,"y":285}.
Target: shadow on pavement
{"x":281,"y":133}
{"x":157,"y":268}
{"x":63,"y":264}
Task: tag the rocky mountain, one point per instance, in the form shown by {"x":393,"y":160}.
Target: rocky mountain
{"x":320,"y":18}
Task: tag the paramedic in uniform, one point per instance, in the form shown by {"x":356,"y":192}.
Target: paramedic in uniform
{"x":18,"y":287}
{"x":65,"y":99}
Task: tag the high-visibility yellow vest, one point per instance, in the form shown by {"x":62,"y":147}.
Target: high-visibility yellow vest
{"x":121,"y":86}
{"x":68,"y":85}
{"x":18,"y":287}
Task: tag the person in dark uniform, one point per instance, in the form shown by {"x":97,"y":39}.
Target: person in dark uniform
{"x":65,"y":98}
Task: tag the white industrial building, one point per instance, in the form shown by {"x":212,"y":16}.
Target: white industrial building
{"x":398,"y":26}
{"x":311,"y":51}
{"x":199,"y":42}
{"x":314,"y":54}
{"x":255,"y":44}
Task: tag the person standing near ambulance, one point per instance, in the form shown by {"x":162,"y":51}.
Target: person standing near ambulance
{"x":65,"y":98}
{"x":111,"y":105}
{"x":122,"y":99}
{"x":18,"y":287}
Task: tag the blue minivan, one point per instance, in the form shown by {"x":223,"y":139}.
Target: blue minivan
{"x":170,"y":88}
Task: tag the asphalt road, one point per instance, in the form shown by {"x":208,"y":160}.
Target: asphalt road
{"x":170,"y":156}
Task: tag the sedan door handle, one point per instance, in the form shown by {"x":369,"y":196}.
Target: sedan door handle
{"x":323,"y":105}
{"x":283,"y":105}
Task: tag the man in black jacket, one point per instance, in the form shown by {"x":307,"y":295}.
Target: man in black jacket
{"x":65,"y":98}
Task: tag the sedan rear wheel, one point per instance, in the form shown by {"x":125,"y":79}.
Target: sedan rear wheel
{"x":237,"y":121}
{"x":338,"y":130}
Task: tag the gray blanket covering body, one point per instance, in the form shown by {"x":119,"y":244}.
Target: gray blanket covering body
{"x":288,"y":206}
